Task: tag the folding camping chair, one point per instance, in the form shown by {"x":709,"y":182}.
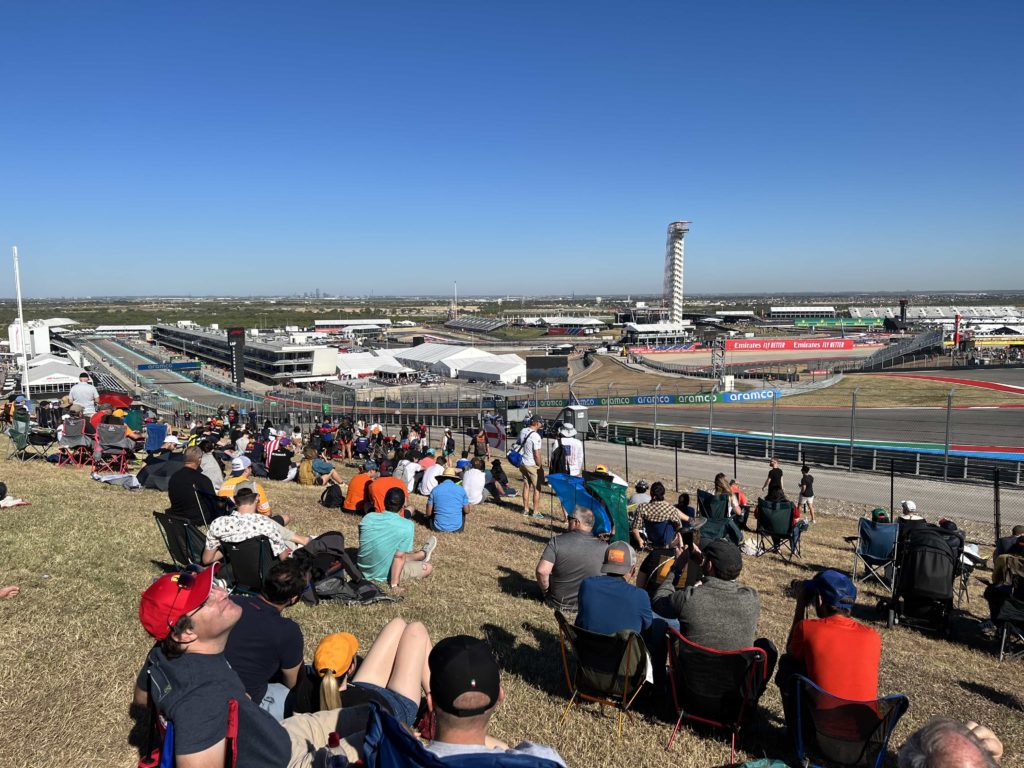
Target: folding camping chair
{"x":155,"y":436}
{"x":39,"y":443}
{"x":720,"y":523}
{"x":18,"y":436}
{"x":75,"y":445}
{"x":717,"y":688}
{"x":844,"y":732}
{"x":249,"y":563}
{"x":609,"y":669}
{"x":111,"y":454}
{"x":1010,"y":616}
{"x":875,"y":547}
{"x":776,"y":530}
{"x":389,"y":744}
{"x":185,"y":543}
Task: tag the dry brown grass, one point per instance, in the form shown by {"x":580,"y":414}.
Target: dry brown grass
{"x":71,"y":642}
{"x":893,"y":391}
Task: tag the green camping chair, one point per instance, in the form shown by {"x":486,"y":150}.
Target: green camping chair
{"x":720,"y":523}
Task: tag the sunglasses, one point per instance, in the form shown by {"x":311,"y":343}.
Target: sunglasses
{"x":186,"y":580}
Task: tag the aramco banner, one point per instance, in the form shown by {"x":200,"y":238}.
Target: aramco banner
{"x":777,"y":345}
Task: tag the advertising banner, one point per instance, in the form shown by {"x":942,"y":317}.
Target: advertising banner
{"x":776,"y":345}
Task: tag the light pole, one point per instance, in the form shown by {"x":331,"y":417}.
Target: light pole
{"x":608,"y":404}
{"x":657,"y":390}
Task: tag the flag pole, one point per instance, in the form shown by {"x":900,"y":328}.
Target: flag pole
{"x":21,"y":327}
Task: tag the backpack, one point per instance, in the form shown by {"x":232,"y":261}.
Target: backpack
{"x":515,"y":454}
{"x":332,"y":497}
{"x":339,"y":589}
{"x":324,"y":554}
{"x":559,"y":464}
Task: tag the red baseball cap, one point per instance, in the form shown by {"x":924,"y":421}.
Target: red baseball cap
{"x":172,"y":596}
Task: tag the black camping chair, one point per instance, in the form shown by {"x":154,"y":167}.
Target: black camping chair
{"x":720,"y":523}
{"x":608,"y":669}
{"x":875,"y":546}
{"x":112,"y":453}
{"x":924,"y":579}
{"x":247,"y":564}
{"x":185,"y":543}
{"x":717,"y":688}
{"x":777,"y":532}
{"x":844,"y":732}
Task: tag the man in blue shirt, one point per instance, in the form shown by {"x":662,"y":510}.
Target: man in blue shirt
{"x":448,"y":503}
{"x":609,"y":603}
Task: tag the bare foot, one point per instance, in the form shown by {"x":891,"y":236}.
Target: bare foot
{"x":10,"y":591}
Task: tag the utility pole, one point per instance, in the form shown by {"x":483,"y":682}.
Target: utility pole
{"x":22,"y":328}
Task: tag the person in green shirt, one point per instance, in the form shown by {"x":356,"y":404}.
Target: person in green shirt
{"x":386,"y":545}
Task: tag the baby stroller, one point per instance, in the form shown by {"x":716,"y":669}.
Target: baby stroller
{"x":923,"y":582}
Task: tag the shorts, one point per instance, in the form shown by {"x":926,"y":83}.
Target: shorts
{"x":413,"y":569}
{"x":404,"y":709}
{"x":804,"y":500}
{"x":530,"y":474}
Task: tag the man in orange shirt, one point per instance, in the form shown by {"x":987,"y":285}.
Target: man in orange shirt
{"x":358,"y":498}
{"x":379,"y":490}
{"x":838,"y":654}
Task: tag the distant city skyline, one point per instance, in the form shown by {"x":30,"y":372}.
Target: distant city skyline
{"x":528,"y":148}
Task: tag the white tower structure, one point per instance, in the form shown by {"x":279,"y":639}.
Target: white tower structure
{"x":673,"y":288}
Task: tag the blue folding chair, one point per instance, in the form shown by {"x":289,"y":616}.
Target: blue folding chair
{"x":841,"y":731}
{"x":875,"y":546}
{"x":155,"y":436}
{"x":389,"y":744}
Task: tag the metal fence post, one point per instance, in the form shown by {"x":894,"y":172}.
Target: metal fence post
{"x":949,"y":417}
{"x":657,"y":394}
{"x":853,"y":425}
{"x":735,"y":457}
{"x":625,"y":447}
{"x":775,"y":404}
{"x":996,"y":508}
{"x":711,"y":423}
{"x":676,"y":451}
{"x":892,"y":488}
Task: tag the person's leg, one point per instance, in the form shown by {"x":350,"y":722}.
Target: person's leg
{"x":376,"y":667}
{"x":789,"y":667}
{"x":810,"y":508}
{"x":410,"y":675}
{"x":309,"y":732}
{"x":527,"y":490}
{"x":771,"y":659}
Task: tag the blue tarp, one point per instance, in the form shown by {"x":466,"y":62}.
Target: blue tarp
{"x":572,"y":493}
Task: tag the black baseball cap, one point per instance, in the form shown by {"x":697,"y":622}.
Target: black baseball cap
{"x":725,"y":557}
{"x":463,"y":664}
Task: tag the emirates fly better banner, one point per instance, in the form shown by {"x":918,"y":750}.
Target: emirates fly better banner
{"x":776,"y":345}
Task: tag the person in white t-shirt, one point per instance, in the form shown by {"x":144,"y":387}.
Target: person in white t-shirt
{"x":530,"y":467}
{"x":85,"y":394}
{"x":573,"y":448}
{"x":409,"y":472}
{"x":473,"y":481}
{"x":430,"y":475}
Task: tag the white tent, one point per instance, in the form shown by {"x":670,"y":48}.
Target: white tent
{"x":53,"y":375}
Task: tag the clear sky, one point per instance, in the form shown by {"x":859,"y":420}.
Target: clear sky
{"x":522,"y":146}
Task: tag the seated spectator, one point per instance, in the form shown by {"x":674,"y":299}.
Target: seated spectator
{"x":1010,"y":545}
{"x":465,"y":689}
{"x":410,"y":471}
{"x":602,"y":469}
{"x":386,"y":544}
{"x":568,"y":559}
{"x":241,"y":476}
{"x":656,"y":520}
{"x":209,"y":465}
{"x":379,"y":490}
{"x":609,"y":603}
{"x":427,"y":460}
{"x":640,"y":494}
{"x":719,"y":612}
{"x":946,"y":743}
{"x":191,"y":683}
{"x":431,"y":474}
{"x":448,"y":503}
{"x":357,"y":500}
{"x":497,"y":482}
{"x":464,"y":462}
{"x":474,"y":480}
{"x":836,"y":652}
{"x":279,"y":460}
{"x":190,"y":491}
{"x":657,"y":566}
{"x":683,"y":505}
{"x":246,"y":523}
{"x":266,"y":648}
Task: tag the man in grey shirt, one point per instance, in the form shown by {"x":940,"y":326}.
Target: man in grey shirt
{"x":719,"y":612}
{"x":568,"y":559}
{"x":85,"y":394}
{"x":465,"y":690}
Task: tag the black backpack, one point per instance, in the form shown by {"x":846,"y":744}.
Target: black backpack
{"x":559,"y":464}
{"x":332,"y":497}
{"x":339,"y":589}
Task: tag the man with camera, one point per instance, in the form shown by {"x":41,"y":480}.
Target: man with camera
{"x":837,"y":653}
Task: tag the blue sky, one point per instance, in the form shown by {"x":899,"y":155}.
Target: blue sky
{"x":538,"y":147}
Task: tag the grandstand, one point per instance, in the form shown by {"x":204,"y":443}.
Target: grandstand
{"x":476,"y":324}
{"x":943,"y":314}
